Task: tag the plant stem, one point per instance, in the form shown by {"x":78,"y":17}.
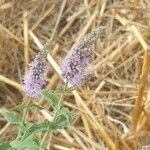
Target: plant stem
{"x":63,"y":94}
{"x":25,"y":112}
{"x":60,"y":100}
{"x":44,"y":138}
{"x":24,"y":116}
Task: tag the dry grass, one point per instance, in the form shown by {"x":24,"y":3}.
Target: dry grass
{"x":111,"y":110}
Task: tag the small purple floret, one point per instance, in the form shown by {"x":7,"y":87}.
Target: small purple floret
{"x":75,"y":63}
{"x":34,"y":80}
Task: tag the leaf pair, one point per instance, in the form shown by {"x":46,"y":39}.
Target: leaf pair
{"x":27,"y":139}
{"x":26,"y":142}
{"x":63,"y":116}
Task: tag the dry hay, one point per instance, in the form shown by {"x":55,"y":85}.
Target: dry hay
{"x":103,"y":106}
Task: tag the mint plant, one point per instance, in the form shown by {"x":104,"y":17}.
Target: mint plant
{"x":73,"y":68}
{"x":27,"y":138}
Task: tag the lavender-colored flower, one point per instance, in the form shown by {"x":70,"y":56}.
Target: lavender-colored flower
{"x":75,"y":63}
{"x":34,"y":80}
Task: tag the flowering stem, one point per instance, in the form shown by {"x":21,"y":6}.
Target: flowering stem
{"x":60,"y":100}
{"x":25,"y":110}
{"x":63,"y":94}
{"x":23,"y":117}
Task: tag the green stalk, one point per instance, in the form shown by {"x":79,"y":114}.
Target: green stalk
{"x":60,"y":100}
{"x":44,"y":139}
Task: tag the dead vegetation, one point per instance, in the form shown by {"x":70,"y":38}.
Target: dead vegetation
{"x":112,"y":109}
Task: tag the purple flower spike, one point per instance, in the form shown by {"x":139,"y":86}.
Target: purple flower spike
{"x":75,"y":63}
{"x":34,"y":80}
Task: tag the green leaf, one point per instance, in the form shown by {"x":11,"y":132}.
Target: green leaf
{"x":30,"y":143}
{"x":63,"y":118}
{"x":29,"y":106}
{"x":11,"y":117}
{"x":37,"y":127}
{"x":5,"y":146}
{"x":51,"y":98}
{"x":25,"y":127}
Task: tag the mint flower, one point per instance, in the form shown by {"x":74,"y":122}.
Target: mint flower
{"x":34,"y":80}
{"x":75,"y":63}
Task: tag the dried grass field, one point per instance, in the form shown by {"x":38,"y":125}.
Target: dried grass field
{"x":111,"y":108}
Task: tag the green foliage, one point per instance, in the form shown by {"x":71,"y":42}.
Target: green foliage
{"x":29,"y":106}
{"x":51,"y":98}
{"x":6,"y":146}
{"x":27,"y":139}
{"x":37,"y":127}
{"x":30,"y":143}
{"x":63,"y":118}
{"x":11,"y":117}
